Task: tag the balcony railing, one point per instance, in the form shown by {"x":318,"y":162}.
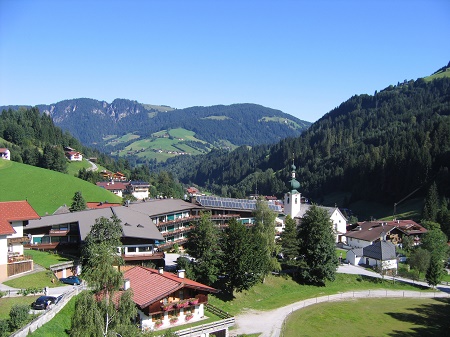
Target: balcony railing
{"x":19,"y":264}
{"x":21,"y":239}
{"x":143,"y":256}
{"x":58,"y":232}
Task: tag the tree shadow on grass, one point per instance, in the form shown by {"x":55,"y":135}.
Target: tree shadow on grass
{"x":430,"y":319}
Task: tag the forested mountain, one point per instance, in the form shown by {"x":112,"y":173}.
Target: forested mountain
{"x":377,"y":147}
{"x":92,"y":121}
{"x":34,"y":140}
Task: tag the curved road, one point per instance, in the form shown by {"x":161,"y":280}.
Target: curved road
{"x":269,"y":323}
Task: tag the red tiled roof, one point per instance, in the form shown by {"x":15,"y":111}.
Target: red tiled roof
{"x":150,"y":286}
{"x":14,"y":211}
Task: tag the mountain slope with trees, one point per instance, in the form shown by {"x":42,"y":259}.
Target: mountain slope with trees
{"x":379,"y":147}
{"x":94,"y":122}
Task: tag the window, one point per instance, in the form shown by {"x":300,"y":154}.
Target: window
{"x":131,"y":249}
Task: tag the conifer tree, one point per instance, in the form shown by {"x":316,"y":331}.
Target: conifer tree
{"x":431,"y":207}
{"x":434,"y":271}
{"x":78,"y":203}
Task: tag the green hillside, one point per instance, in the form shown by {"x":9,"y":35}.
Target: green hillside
{"x":46,"y":190}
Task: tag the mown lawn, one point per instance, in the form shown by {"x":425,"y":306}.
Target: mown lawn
{"x":6,"y":303}
{"x":278,"y":291}
{"x":372,"y":317}
{"x":45,"y":259}
{"x":40,"y":279}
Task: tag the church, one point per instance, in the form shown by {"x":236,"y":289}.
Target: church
{"x":294,"y":207}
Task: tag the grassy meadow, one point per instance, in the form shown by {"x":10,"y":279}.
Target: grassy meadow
{"x":46,"y":190}
{"x":278,"y":291}
{"x":372,"y":317}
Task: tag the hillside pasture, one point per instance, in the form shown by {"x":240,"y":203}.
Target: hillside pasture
{"x":74,"y":166}
{"x":46,"y":190}
{"x":122,"y":139}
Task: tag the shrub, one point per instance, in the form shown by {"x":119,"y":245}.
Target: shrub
{"x":18,"y":315}
{"x":4,"y":328}
{"x":2,"y":293}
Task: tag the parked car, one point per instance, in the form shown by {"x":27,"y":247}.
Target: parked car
{"x":75,"y":280}
{"x":44,"y":302}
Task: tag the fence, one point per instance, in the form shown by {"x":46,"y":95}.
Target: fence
{"x":357,"y":294}
{"x":200,"y":330}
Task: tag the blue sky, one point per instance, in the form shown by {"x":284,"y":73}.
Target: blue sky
{"x":301,"y":57}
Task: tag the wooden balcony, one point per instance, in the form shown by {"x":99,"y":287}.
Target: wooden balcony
{"x":42,"y":246}
{"x":144,"y":256}
{"x":18,"y":240}
{"x":177,"y":231}
{"x":58,"y":232}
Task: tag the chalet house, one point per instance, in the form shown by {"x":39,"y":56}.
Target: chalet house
{"x":380,"y":254}
{"x":366,"y":233}
{"x":139,"y":189}
{"x":65,"y":232}
{"x":5,"y":154}
{"x":13,"y":216}
{"x":74,"y":155}
{"x":165,"y":299}
{"x":118,"y":188}
{"x":110,"y":176}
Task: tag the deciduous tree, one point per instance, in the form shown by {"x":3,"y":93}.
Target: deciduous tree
{"x":104,"y":311}
{"x":317,"y":247}
{"x":204,"y":246}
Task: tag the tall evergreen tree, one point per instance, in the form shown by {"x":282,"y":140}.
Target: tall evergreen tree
{"x":78,"y":203}
{"x":434,"y":271}
{"x":431,"y":207}
{"x":204,"y":246}
{"x":317,"y":246}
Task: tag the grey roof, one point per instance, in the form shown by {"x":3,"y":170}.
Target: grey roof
{"x":357,"y":251}
{"x":305,"y":207}
{"x":157,"y":207}
{"x":380,"y":250}
{"x":134,"y":224}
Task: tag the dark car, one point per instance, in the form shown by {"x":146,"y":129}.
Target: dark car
{"x":75,"y":280}
{"x":44,"y":302}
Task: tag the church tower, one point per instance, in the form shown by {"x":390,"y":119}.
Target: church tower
{"x":292,"y":199}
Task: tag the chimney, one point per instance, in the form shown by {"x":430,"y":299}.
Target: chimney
{"x":161,"y":270}
{"x":181,"y":273}
{"x":126,"y":284}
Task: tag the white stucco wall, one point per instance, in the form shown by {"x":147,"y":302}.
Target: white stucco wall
{"x":18,"y":227}
{"x":357,"y":243}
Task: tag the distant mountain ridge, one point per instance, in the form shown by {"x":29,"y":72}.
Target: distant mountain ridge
{"x":91,"y":121}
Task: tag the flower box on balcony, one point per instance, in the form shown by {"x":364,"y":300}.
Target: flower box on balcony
{"x":188,"y":317}
{"x":167,"y":307}
{"x":182,"y":304}
{"x":158,"y":323}
{"x":193,"y":301}
{"x":173,"y":320}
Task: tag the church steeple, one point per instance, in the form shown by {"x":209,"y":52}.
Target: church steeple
{"x":293,"y":182}
{"x":292,"y":199}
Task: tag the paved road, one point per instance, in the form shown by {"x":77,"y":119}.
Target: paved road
{"x":269,"y":323}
